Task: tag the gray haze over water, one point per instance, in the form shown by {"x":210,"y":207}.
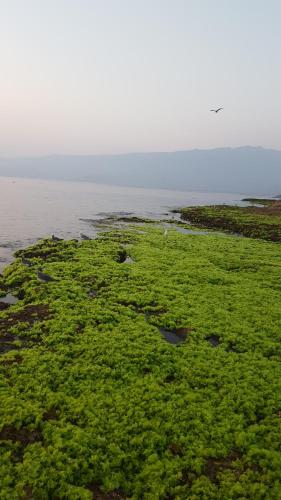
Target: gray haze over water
{"x":229,"y":170}
{"x":32,"y":208}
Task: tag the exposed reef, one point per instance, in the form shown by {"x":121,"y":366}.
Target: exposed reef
{"x":260,"y":220}
{"x":147,"y":368}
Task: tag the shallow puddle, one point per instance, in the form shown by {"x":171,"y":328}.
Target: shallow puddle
{"x":9,"y":299}
{"x":128,"y":260}
{"x":172,"y":337}
{"x":182,"y":230}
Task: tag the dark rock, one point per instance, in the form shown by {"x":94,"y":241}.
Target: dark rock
{"x":26,"y":262}
{"x":213,"y":340}
{"x":172,"y":337}
{"x":45,"y":277}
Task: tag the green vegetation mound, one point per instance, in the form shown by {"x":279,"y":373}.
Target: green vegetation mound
{"x":95,"y":403}
{"x":263,"y":221}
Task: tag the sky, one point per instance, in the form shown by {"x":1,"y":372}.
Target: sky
{"x":118,"y":76}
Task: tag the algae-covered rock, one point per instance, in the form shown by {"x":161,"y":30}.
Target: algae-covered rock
{"x":96,"y":403}
{"x":260,"y":221}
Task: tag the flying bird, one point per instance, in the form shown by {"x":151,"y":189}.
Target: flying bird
{"x":216,"y":110}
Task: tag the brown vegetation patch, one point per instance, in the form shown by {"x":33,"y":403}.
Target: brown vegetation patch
{"x":214,"y":466}
{"x":133,"y":219}
{"x":41,"y":253}
{"x":7,"y":342}
{"x":184,"y":331}
{"x":51,"y":414}
{"x":9,"y":337}
{"x":169,"y":379}
{"x":6,"y":347}
{"x":28,"y":314}
{"x":247,"y":221}
{"x":16,"y":359}
{"x":100,"y":495}
{"x":28,"y":493}
{"x":23,"y":435}
{"x":175,"y":449}
{"x":273,"y":208}
{"x":4,"y":306}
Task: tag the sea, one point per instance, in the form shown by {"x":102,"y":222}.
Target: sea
{"x":31,"y":209}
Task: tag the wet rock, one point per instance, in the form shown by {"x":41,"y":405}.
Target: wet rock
{"x":4,"y":306}
{"x":8,"y":337}
{"x":172,"y":337}
{"x":213,"y":340}
{"x":6,"y":347}
{"x":26,"y":262}
{"x":21,"y":294}
{"x":84,"y":237}
{"x":45,"y":277}
{"x":122,"y":256}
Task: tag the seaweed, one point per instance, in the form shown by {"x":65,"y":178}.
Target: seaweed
{"x":96,"y":404}
{"x":262,"y":222}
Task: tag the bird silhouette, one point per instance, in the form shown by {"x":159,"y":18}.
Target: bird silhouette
{"x":216,"y":110}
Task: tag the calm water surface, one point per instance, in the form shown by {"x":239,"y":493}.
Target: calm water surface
{"x":32,"y":209}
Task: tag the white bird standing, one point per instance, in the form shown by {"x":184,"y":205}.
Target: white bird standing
{"x":216,"y":110}
{"x":165,"y":232}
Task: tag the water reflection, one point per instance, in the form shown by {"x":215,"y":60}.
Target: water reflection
{"x":32,"y":208}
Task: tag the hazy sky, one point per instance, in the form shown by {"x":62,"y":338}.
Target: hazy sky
{"x":112,"y":76}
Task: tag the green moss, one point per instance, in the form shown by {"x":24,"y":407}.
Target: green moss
{"x":259,"y":201}
{"x":94,"y":399}
{"x":254,"y":222}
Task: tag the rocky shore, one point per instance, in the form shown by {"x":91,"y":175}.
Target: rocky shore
{"x":146,"y":366}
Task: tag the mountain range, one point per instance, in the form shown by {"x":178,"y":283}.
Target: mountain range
{"x":251,"y":170}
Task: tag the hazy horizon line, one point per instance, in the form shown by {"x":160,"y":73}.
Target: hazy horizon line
{"x":86,"y":155}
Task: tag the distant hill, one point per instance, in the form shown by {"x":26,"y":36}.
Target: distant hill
{"x":251,"y":170}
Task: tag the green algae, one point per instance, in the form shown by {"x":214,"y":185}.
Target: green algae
{"x":260,"y":201}
{"x":95,"y":402}
{"x":262,"y":222}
